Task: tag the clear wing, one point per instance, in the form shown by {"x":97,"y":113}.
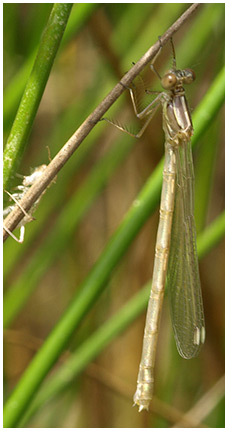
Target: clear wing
{"x":183,"y":280}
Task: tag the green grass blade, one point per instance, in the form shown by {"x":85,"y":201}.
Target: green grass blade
{"x":34,"y":89}
{"x":79,"y":15}
{"x":15,"y":298}
{"x":92,"y":346}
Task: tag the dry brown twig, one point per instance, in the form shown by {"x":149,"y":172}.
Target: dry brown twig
{"x":76,"y":139}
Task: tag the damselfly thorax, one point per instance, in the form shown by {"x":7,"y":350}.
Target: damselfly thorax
{"x":177,"y":122}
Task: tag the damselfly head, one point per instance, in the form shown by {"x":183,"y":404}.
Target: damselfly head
{"x":176,"y":78}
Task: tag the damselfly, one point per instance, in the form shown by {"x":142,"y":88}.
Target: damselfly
{"x":175,"y":253}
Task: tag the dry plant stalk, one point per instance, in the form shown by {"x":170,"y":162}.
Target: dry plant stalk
{"x":14,"y":218}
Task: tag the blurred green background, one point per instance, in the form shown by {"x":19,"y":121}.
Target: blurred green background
{"x":80,"y":212}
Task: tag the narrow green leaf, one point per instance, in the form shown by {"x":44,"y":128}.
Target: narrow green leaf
{"x":34,"y":89}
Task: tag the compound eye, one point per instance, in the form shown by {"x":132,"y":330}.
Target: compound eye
{"x":169,"y":81}
{"x":190,"y":76}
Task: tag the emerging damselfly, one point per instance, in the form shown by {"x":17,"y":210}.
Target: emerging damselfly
{"x":175,"y":252}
